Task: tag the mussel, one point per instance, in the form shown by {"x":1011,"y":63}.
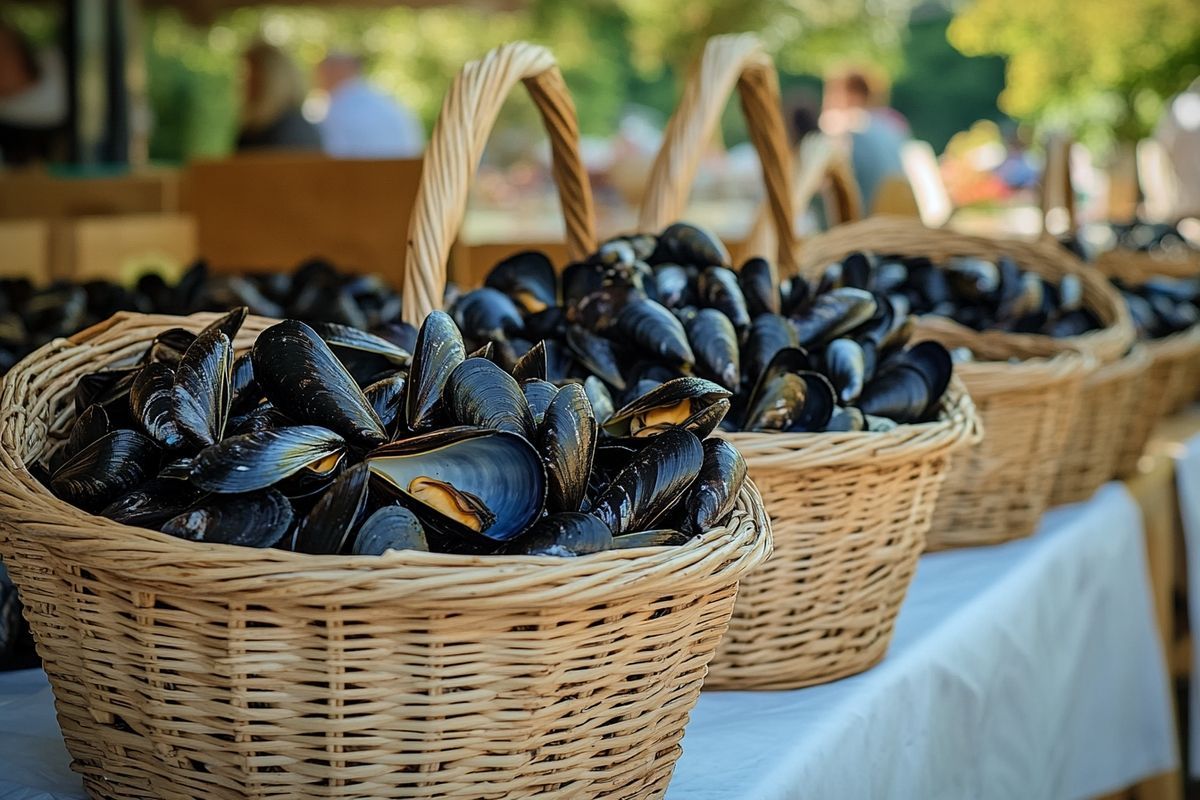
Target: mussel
{"x":564,"y":535}
{"x":260,"y":519}
{"x":439,"y":349}
{"x":833,"y":314}
{"x":715,"y":344}
{"x":390,"y":528}
{"x":105,"y":469}
{"x":327,"y":528}
{"x":644,"y":491}
{"x":650,"y":328}
{"x":676,"y":403}
{"x":480,"y":394}
{"x":255,"y":461}
{"x":567,"y":442}
{"x":711,"y":498}
{"x":527,"y":278}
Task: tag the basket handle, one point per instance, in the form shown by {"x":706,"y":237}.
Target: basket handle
{"x":455,"y":148}
{"x":728,"y":61}
{"x":1056,"y":190}
{"x":818,"y":164}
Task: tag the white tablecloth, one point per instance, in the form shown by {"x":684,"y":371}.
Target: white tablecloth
{"x":1030,"y":670}
{"x":1187,"y":481}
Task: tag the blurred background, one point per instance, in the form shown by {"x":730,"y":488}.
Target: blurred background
{"x":154,"y":127}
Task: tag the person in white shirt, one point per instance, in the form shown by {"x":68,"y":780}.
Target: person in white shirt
{"x":362,"y":121}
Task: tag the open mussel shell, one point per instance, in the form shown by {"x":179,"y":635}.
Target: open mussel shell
{"x":597,"y":355}
{"x":302,"y":377}
{"x":327,"y":527}
{"x":438,"y":351}
{"x":390,"y":528}
{"x":105,"y":469}
{"x":715,"y":343}
{"x":260,"y":519}
{"x":254,"y":461}
{"x":760,"y":287}
{"x":684,"y":243}
{"x":468,"y":482}
{"x":660,"y":537}
{"x":479,"y":394}
{"x":649,"y":327}
{"x":201,"y":393}
{"x":675,"y":403}
{"x":712,"y":496}
{"x":833,"y":314}
{"x":152,"y":503}
{"x":528,"y":279}
{"x":651,"y":483}
{"x":152,"y":405}
{"x":790,"y":397}
{"x":564,"y":535}
{"x":567,"y":442}
{"x":846,"y":368}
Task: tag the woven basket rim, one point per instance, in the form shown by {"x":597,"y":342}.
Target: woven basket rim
{"x":718,"y":556}
{"x":1136,"y":266}
{"x":1107,"y":343}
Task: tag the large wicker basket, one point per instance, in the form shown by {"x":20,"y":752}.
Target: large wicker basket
{"x":200,"y":672}
{"x":849,"y":512}
{"x":1096,"y":429}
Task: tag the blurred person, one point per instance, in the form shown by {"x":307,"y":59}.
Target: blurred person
{"x":273,"y":93}
{"x":1178,"y":131}
{"x":362,"y":121}
{"x":803,"y":113}
{"x":876,"y":133}
{"x":33,"y":99}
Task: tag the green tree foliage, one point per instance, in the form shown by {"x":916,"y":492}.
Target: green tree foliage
{"x":1099,"y":66}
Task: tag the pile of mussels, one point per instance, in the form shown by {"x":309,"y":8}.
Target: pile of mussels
{"x":662,"y":330}
{"x":314,"y":292}
{"x":328,"y":439}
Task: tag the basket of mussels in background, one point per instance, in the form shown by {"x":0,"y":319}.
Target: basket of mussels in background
{"x":845,"y":425}
{"x":1011,"y":313}
{"x":265,"y":558}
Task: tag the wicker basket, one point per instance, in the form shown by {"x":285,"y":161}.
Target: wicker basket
{"x":185,"y":670}
{"x":1105,"y":403}
{"x":849,"y":511}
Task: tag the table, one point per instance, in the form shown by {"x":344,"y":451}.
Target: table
{"x":1032,"y":669}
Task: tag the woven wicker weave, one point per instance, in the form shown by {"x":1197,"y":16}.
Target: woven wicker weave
{"x":185,"y":670}
{"x":849,"y":512}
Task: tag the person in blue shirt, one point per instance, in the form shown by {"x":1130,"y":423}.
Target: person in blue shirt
{"x":362,"y":121}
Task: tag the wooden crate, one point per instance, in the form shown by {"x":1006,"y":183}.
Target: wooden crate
{"x":25,"y":244}
{"x":120,"y":248}
{"x":24,"y":195}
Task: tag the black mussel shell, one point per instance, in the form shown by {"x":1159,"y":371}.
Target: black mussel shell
{"x":327,"y":528}
{"x":538,"y":394}
{"x":152,"y":405}
{"x":650,"y":328}
{"x":797,"y":402}
{"x":662,"y":537}
{"x":715,"y":343}
{"x":109,"y":389}
{"x":900,"y":393}
{"x":881,"y":326}
{"x":565,"y":535}
{"x":487,"y":351}
{"x":548,"y":324}
{"x":367,"y":357}
{"x":255,"y":461}
{"x":579,"y":280}
{"x":532,"y":364}
{"x":439,"y":350}
{"x":831,"y":278}
{"x":1070,"y":293}
{"x":487,"y":313}
{"x":400,"y":334}
{"x":846,"y":368}
{"x":673,"y":285}
{"x":466,"y":481}
{"x":769,"y":333}
{"x":846,"y":420}
{"x":260,"y":519}
{"x":228,"y":324}
{"x":91,"y":425}
{"x":794,"y":295}
{"x":201,"y":393}
{"x":390,"y":528}
{"x":527,"y":278}
{"x":833,"y":314}
{"x":935,"y":365}
{"x":785,"y":359}
{"x":598,"y":311}
{"x":178,"y":470}
{"x":302,"y":377}
{"x":481,"y":395}
{"x":169,"y":346}
{"x":651,"y":483}
{"x":707,"y":420}
{"x":597,"y":355}
{"x":711,"y":498}
{"x":152,"y":503}
{"x":386,"y":396}
{"x":1074,"y":323}
{"x":857,"y":269}
{"x":263,"y":417}
{"x":683,"y":243}
{"x":105,"y":469}
{"x":973,"y":279}
{"x":567,"y":442}
{"x":671,"y":404}
{"x":719,"y":289}
{"x":245,"y":393}
{"x":600,"y":398}
{"x":760,"y":287}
